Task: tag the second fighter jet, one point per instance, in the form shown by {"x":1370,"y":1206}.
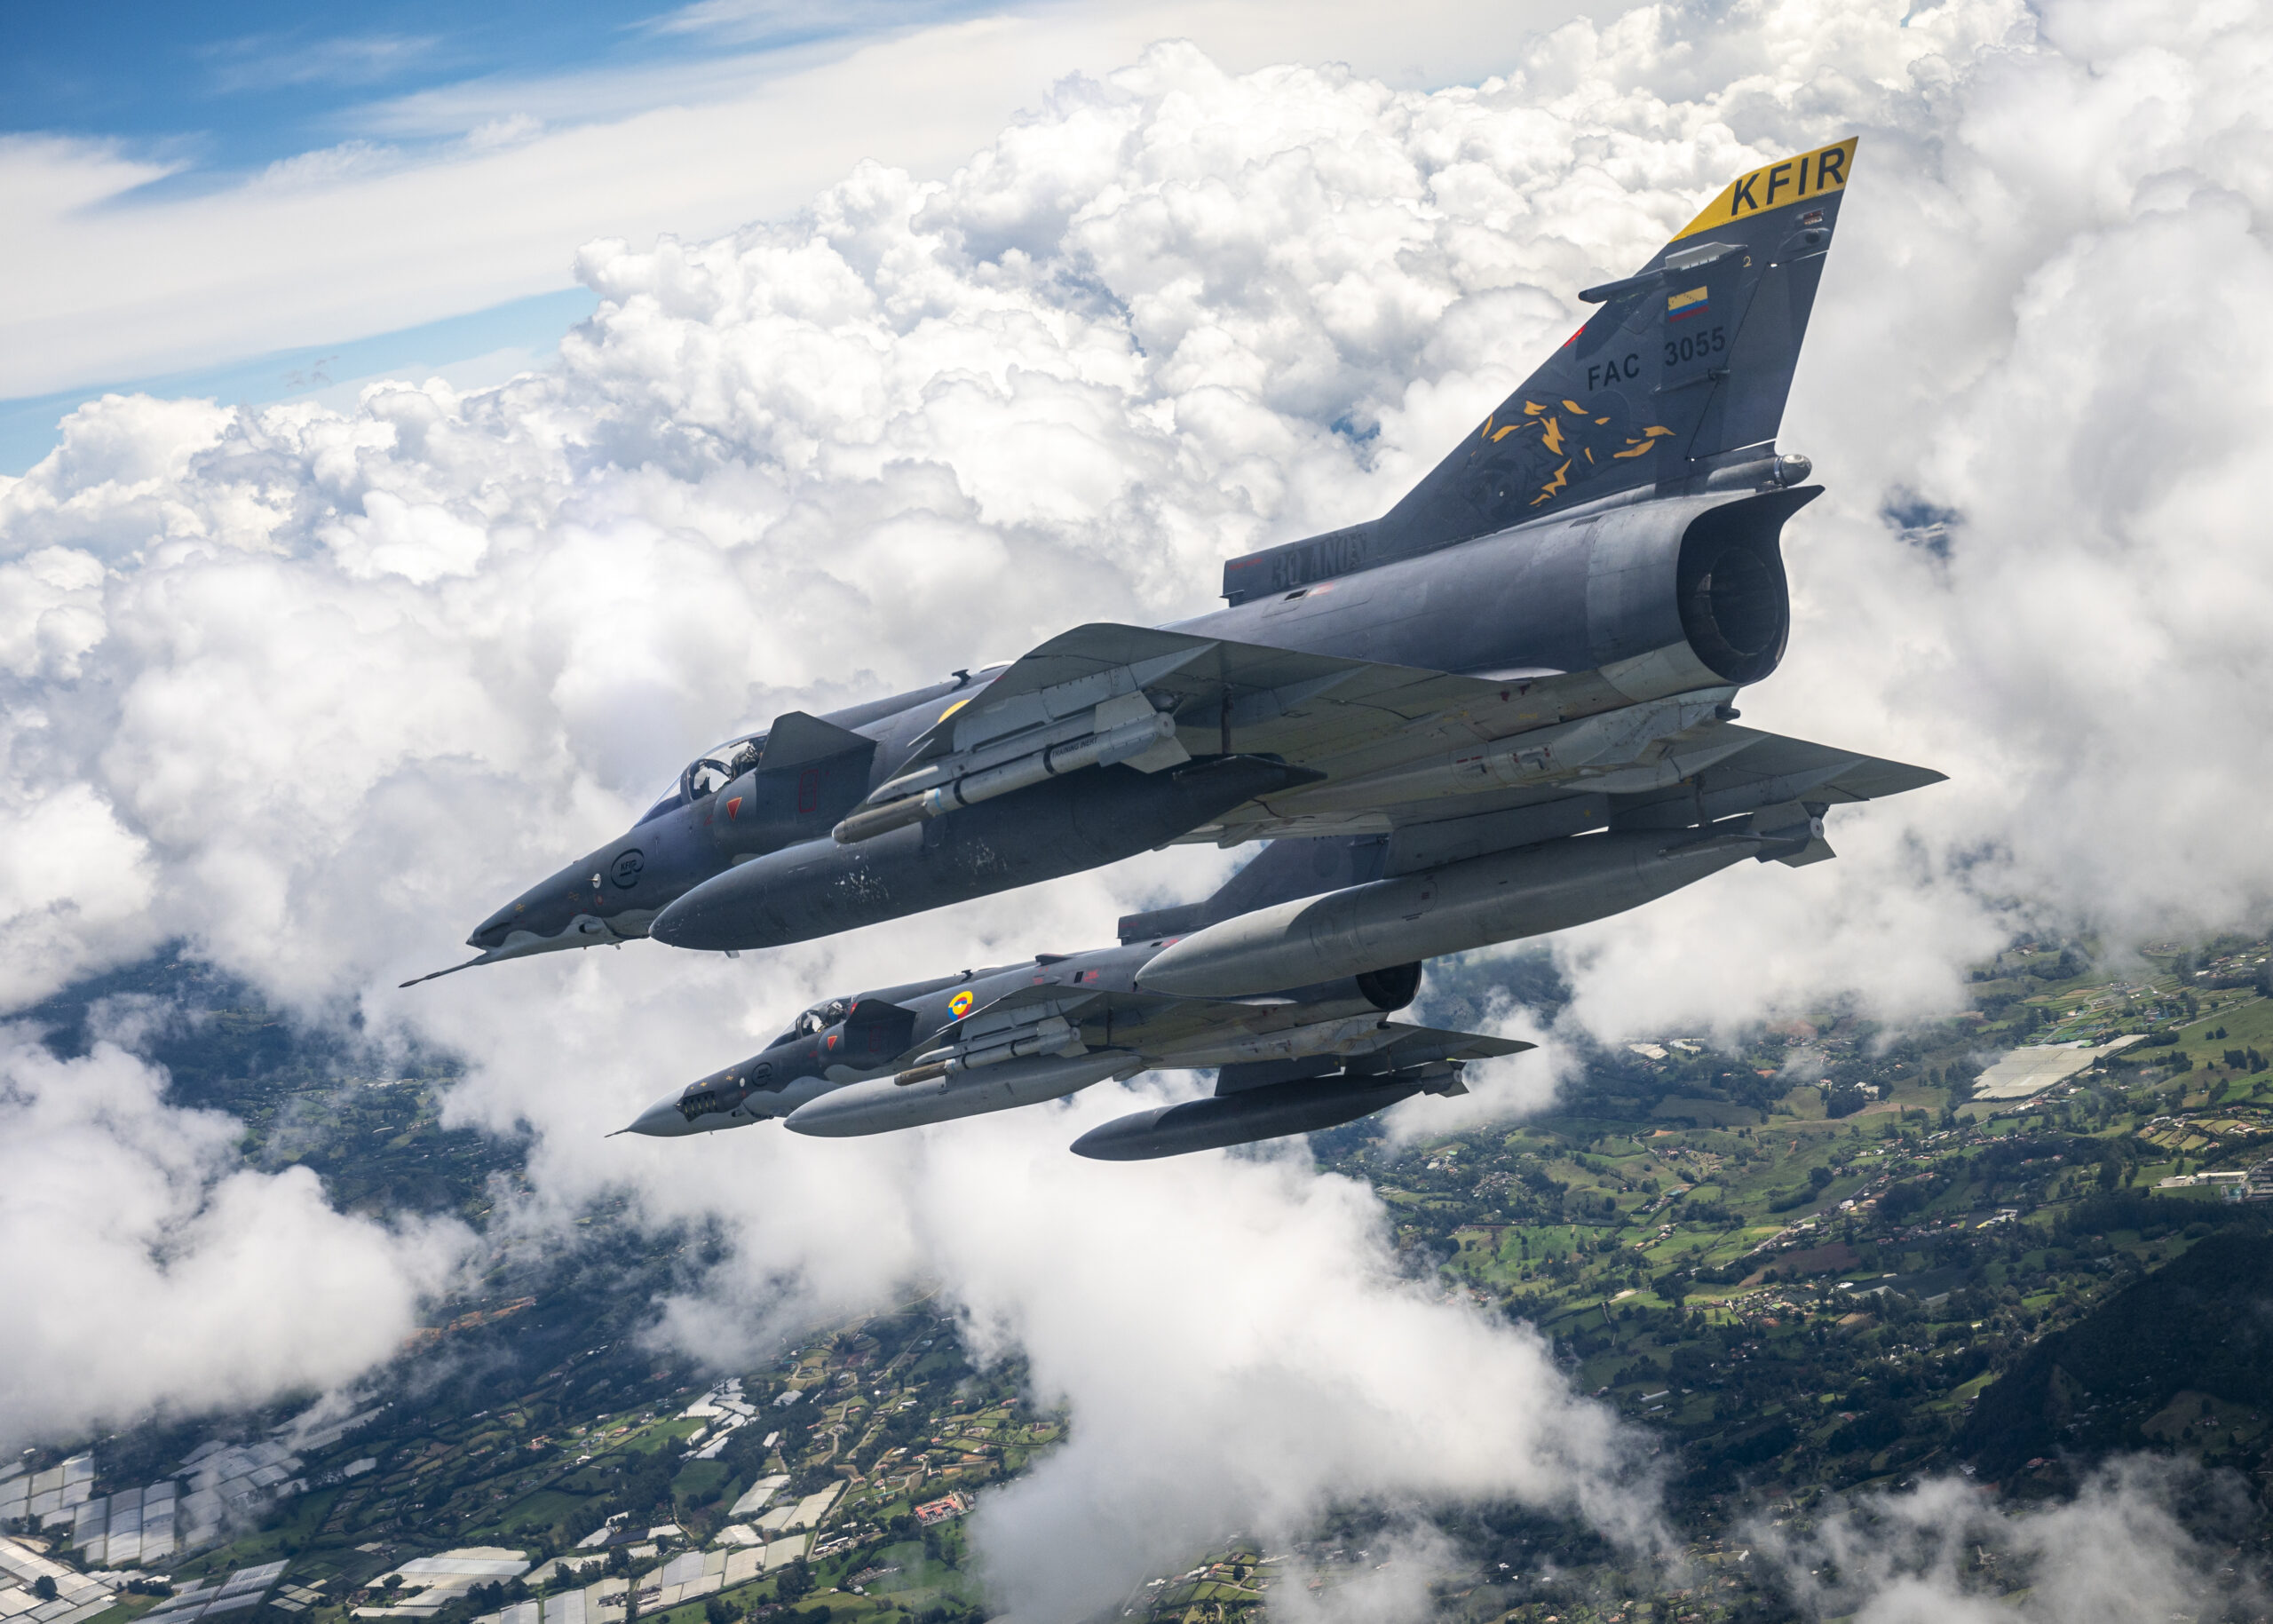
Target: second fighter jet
{"x":1286,"y":1063}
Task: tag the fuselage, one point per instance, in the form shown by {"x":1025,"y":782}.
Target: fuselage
{"x":840,"y":1041}
{"x":1640,"y":596}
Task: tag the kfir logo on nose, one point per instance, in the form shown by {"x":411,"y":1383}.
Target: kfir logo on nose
{"x":628,"y":868}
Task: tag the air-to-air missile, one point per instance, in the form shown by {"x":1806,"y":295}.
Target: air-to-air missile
{"x":1287,"y":1062}
{"x":1519,"y":681}
{"x":1269,"y":1111}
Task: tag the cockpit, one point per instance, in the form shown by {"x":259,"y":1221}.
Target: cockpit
{"x":820,"y":1017}
{"x":710,"y":773}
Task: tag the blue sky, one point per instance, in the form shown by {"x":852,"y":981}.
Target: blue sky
{"x":257,"y":201}
{"x":232,"y":88}
{"x":210,"y":98}
{"x":239,"y":86}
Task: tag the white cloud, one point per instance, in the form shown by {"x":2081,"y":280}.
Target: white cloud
{"x":53,"y":605}
{"x":1392,"y":1583}
{"x":1237,"y":1352}
{"x":499,"y":175}
{"x":148,"y":1269}
{"x":331,"y":166}
{"x":1946,"y":1552}
{"x":1503,"y":1089}
{"x":315,"y":690}
{"x":748,"y":22}
{"x":1232,"y":1336}
{"x":74,"y":883}
{"x":261,"y":61}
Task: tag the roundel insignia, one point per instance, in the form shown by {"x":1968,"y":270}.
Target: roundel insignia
{"x":960,"y":1004}
{"x":627,"y":868}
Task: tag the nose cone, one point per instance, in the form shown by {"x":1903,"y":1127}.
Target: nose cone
{"x":544,"y":909}
{"x":663,"y":1119}
{"x":611,"y":894}
{"x":492,"y":931}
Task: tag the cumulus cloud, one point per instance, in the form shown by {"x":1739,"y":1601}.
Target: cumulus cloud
{"x":1500,"y":1089}
{"x":1234,"y":1338}
{"x":471,"y":192}
{"x":1393,"y":1587}
{"x":149,"y":1269}
{"x":1238,"y":1350}
{"x":1945,"y":1553}
{"x":314,"y":690}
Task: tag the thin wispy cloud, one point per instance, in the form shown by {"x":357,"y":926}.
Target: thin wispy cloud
{"x":588,"y":95}
{"x":263,"y":62}
{"x":765,"y":22}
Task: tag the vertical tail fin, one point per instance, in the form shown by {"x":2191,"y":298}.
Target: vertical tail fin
{"x":1689,"y":358}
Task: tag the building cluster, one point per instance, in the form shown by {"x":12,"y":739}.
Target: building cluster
{"x":134,"y":1526}
{"x":722,"y":1411}
{"x":79,"y":1596}
{"x":232,"y":1480}
{"x":790,"y":1516}
{"x":2024,"y":1073}
{"x":34,"y":1588}
{"x":49,"y":1498}
{"x":1691,"y":1047}
{"x":2253,"y":1184}
{"x":217,"y":1596}
{"x":109,"y":1531}
{"x":762,"y":1537}
{"x":426,"y":1585}
{"x":590,"y":1606}
{"x":758,"y":1496}
{"x":226,"y":1485}
{"x":692,"y":1575}
{"x":946,"y":1509}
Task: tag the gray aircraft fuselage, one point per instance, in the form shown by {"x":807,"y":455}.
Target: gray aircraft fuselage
{"x":1592,"y":591}
{"x":841,"y":1043}
{"x":1612,"y":527}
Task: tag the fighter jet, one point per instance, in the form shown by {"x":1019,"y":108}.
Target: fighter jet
{"x":993,"y":1040}
{"x":1521,"y":678}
